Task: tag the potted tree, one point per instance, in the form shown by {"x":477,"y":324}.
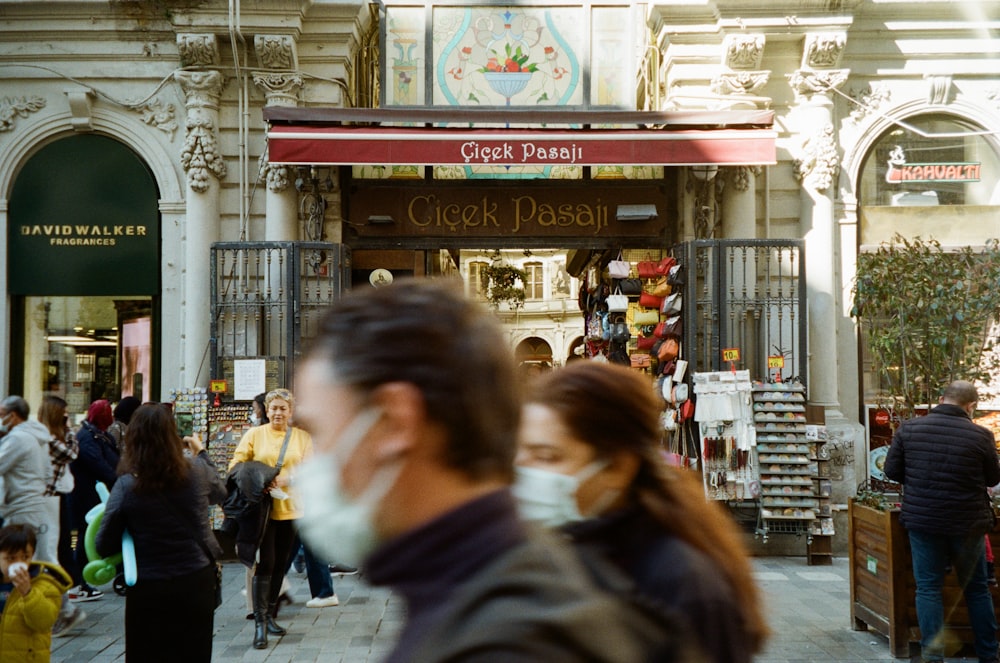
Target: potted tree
{"x":929,"y":317}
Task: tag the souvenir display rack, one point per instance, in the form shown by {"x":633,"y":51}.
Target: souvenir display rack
{"x":726,"y":435}
{"x":789,"y":501}
{"x":226,"y":425}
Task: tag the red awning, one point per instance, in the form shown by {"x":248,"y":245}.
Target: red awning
{"x":319,"y":136}
{"x":307,"y":145}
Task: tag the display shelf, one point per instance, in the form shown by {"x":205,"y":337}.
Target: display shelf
{"x":786,"y":459}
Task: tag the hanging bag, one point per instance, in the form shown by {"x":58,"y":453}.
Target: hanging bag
{"x":617,"y":302}
{"x":646,"y":269}
{"x":665,"y":265}
{"x":648,"y":300}
{"x":646,"y":317}
{"x":675,"y":276}
{"x":669,"y":327}
{"x":660,"y":288}
{"x":618,"y":268}
{"x":671,"y":304}
{"x":631,"y":287}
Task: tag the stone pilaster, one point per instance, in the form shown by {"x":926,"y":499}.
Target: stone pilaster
{"x":205,"y":167}
{"x":817,"y":167}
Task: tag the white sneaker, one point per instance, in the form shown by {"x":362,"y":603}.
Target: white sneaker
{"x":325,"y":602}
{"x":65,"y":624}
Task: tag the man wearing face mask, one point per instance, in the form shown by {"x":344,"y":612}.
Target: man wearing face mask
{"x":25,"y":469}
{"x":410,"y":393}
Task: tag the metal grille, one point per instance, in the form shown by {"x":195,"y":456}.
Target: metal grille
{"x":267,"y":300}
{"x":750,"y":295}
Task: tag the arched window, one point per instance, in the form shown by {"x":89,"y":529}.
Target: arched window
{"x":932,"y":176}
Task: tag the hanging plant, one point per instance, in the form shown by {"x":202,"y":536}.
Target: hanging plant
{"x":504,"y":284}
{"x":929,"y":317}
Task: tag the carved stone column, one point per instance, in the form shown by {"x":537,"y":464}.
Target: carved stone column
{"x":281,"y":208}
{"x":817,"y":168}
{"x":277,"y":52}
{"x":740,"y":79}
{"x":205,"y":167}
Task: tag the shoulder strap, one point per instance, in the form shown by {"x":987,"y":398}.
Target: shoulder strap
{"x":284,"y":448}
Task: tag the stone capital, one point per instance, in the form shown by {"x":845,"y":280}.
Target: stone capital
{"x":275,"y":51}
{"x":740,"y":82}
{"x":202,"y":89}
{"x":742,"y":51}
{"x":279,"y":89}
{"x":809,"y":82}
{"x":823,"y":50}
{"x":198,"y":49}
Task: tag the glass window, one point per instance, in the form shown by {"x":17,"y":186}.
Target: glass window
{"x":86,"y":348}
{"x":936,"y":178}
{"x":475,"y":285}
{"x":534,"y":287}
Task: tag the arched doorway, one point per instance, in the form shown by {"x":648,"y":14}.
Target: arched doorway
{"x":83,"y":250}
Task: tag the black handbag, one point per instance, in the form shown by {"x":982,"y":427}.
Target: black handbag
{"x":630,"y":287}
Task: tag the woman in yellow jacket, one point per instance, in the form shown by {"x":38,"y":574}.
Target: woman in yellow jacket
{"x":263,"y":444}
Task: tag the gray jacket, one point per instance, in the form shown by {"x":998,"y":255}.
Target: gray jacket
{"x":25,"y":468}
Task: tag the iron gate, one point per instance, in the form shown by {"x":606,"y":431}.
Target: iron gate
{"x":267,"y":299}
{"x":746,"y":294}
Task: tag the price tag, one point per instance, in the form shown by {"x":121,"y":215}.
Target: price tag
{"x":730,"y":354}
{"x":776,"y":362}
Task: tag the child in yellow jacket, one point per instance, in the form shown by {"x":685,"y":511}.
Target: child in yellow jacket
{"x":33,"y":596}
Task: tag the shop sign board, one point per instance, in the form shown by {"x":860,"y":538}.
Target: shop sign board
{"x":899,"y":171}
{"x":480,"y":211}
{"x":84,"y":221}
{"x":341,"y":145}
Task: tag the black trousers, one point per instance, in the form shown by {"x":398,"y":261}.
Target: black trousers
{"x":275,"y":552}
{"x":171,"y":620}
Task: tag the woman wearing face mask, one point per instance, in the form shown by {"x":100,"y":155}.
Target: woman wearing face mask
{"x":275,"y":444}
{"x":589,"y":459}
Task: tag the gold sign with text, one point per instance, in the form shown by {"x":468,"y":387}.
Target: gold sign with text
{"x":506,"y":211}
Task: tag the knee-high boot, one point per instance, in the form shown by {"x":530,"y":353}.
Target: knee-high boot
{"x":272,"y":609}
{"x":261,"y":594}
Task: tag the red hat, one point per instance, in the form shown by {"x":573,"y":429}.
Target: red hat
{"x":99,"y":414}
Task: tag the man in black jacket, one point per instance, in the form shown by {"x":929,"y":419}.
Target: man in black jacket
{"x":946,"y":463}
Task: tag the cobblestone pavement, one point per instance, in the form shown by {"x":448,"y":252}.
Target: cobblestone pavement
{"x":808,"y":608}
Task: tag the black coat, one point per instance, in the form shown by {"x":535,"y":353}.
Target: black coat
{"x":247,"y":506}
{"x":96,"y":462}
{"x":945,"y":463}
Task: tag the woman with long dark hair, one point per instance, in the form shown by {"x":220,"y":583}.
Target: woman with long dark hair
{"x":589,"y":459}
{"x":162,"y":499}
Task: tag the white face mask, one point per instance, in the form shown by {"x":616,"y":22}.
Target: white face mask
{"x":255,"y":421}
{"x":549,"y":498}
{"x":337,"y":527}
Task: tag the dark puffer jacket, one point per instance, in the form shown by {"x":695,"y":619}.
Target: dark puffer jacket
{"x":945,"y":463}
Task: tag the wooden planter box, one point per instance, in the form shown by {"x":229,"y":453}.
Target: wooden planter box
{"x":882,"y":587}
{"x":880,"y":565}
